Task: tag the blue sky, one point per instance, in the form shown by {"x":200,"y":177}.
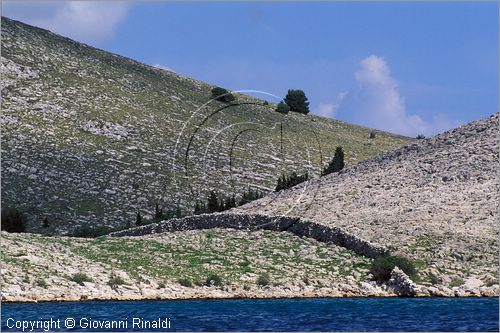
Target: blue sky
{"x":408,"y":68}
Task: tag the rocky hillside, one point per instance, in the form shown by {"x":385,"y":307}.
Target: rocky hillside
{"x":92,"y":137}
{"x":434,"y":201}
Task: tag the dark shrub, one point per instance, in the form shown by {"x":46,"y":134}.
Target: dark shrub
{"x":45,"y":223}
{"x":115,"y":281}
{"x":80,"y":278}
{"x":337,"y":162}
{"x":282,"y":107}
{"x":185,"y":282}
{"x":297,"y":101}
{"x":214,"y":280}
{"x":373,"y":135}
{"x":286,"y":181}
{"x":420,"y":136}
{"x":382,"y":267}
{"x":13,"y":220}
{"x":138,"y":219}
{"x":213,"y":204}
{"x":222,"y":95}
{"x":263,"y":279}
{"x":87,"y":231}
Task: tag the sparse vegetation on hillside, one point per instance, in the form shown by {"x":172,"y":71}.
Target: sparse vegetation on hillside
{"x":286,"y":181}
{"x":97,"y":137}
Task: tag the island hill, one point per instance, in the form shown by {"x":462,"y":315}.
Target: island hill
{"x":78,"y":123}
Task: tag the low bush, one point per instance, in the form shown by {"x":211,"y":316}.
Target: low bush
{"x":214,"y":280}
{"x":287,"y":181}
{"x":185,"y":282}
{"x":42,"y":283}
{"x":13,"y":220}
{"x":456,"y":282}
{"x":382,"y":267}
{"x":115,"y":281}
{"x":222,"y":95}
{"x":80,"y":278}
{"x":87,"y":231}
{"x":264,"y":279}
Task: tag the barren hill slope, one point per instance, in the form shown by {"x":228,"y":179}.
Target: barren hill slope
{"x":435,"y":200}
{"x":92,"y":137}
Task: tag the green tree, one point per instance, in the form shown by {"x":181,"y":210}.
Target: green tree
{"x":282,"y":107}
{"x":13,"y":220}
{"x":297,"y":101}
{"x":178,"y":211}
{"x":138,"y":219}
{"x":158,"y":212}
{"x":337,"y":162}
{"x":213,"y":203}
{"x":222,"y":95}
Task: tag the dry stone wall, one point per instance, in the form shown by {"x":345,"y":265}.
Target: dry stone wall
{"x":295,"y":225}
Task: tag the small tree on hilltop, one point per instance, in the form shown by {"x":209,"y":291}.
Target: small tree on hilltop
{"x":297,"y":101}
{"x":138,"y":219}
{"x":213,"y":203}
{"x":336,"y":164}
{"x":282,"y":107}
{"x":158,"y":212}
{"x":222,"y":95}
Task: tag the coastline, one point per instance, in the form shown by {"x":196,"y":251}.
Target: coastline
{"x":214,"y":293}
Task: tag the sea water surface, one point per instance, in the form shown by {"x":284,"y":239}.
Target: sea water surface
{"x":320,"y":314}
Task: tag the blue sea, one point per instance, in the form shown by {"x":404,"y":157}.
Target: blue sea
{"x":323,"y":314}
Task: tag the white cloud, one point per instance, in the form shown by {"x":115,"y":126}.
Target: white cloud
{"x":165,"y":68}
{"x":84,"y":21}
{"x":377,"y":103}
{"x":325,"y":110}
{"x":330,"y":109}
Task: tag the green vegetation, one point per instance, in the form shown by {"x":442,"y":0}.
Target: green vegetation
{"x":382,"y":267}
{"x":337,"y":162}
{"x":282,"y":107}
{"x":222,"y":95}
{"x":13,"y":220}
{"x":89,"y":231}
{"x":190,"y":255}
{"x":297,"y":101}
{"x":220,"y":203}
{"x":214,"y":280}
{"x":456,"y":282}
{"x":264,"y":279}
{"x":115,"y":281}
{"x":286,"y":181}
{"x":185,"y":282}
{"x":420,"y":137}
{"x":138,"y":219}
{"x":80,"y":278}
{"x":42,"y":283}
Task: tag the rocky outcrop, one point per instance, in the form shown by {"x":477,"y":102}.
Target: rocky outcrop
{"x":297,"y":226}
{"x":434,"y":200}
{"x":401,"y":284}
